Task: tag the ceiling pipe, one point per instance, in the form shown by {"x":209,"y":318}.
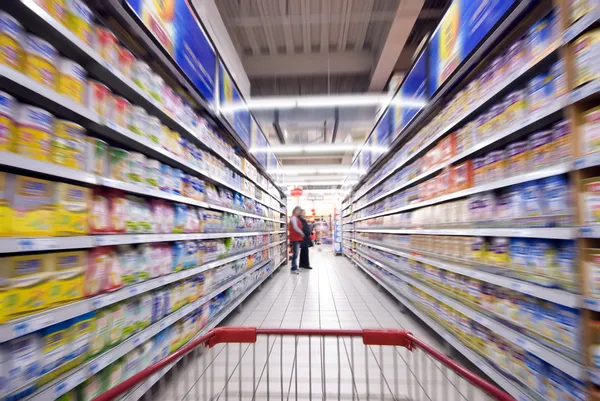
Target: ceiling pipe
{"x":336,"y":121}
{"x":277,"y":128}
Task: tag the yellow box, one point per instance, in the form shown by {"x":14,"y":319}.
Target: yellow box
{"x":26,"y":289}
{"x":72,"y":209}
{"x":39,"y":61}
{"x":11,"y":34}
{"x":5,"y":211}
{"x":67,"y":281}
{"x":31,"y":204}
{"x":33,"y":133}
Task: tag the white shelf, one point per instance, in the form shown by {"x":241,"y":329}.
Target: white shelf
{"x":563,"y":363}
{"x":451,"y":126}
{"x":591,"y":160}
{"x":592,"y":303}
{"x":582,"y":24}
{"x":12,"y":245}
{"x":505,"y":182}
{"x":549,"y":294}
{"x":71,"y":379}
{"x":582,"y":93}
{"x":478,"y":361}
{"x":38,"y":321}
{"x":550,"y":232}
{"x":144,"y":387}
{"x":14,"y":160}
{"x":590,"y":231}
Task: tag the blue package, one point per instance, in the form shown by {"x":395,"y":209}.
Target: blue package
{"x":165,"y":180}
{"x":166,"y":302}
{"x":181,"y":215}
{"x":562,"y":387}
{"x":176,"y":181}
{"x":82,"y":327}
{"x":566,"y":330}
{"x":518,"y":253}
{"x":537,"y":93}
{"x":156,"y":307}
{"x":55,"y":346}
{"x":538,"y":37}
{"x":178,"y":255}
{"x":565,"y":265}
{"x":556,"y":194}
{"x":191,"y":255}
{"x":532,"y":199}
{"x":541,"y":257}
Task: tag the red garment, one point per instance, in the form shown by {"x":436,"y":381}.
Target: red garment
{"x":293,"y":235}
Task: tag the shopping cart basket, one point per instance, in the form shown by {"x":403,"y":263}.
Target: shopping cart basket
{"x":298,"y":364}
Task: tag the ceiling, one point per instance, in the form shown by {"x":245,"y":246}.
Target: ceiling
{"x":312,"y":47}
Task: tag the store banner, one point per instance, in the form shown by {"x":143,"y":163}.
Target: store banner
{"x":238,"y":119}
{"x":174,"y":24}
{"x":462,"y":28}
{"x":414,"y":88}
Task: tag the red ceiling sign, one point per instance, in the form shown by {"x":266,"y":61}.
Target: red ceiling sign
{"x":296,"y":192}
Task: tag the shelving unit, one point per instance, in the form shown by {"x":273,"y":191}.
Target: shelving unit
{"x":205,"y":292}
{"x":397,"y":228}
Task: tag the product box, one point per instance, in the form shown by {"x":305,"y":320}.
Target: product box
{"x":591,"y":199}
{"x":462,"y":176}
{"x":72,"y":209}
{"x":590,"y":131}
{"x":31,"y":207}
{"x":67,"y":281}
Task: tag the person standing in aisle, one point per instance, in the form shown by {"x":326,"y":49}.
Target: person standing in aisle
{"x":296,"y":236}
{"x":306,"y":242}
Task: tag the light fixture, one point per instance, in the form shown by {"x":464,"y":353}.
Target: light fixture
{"x":321,"y":148}
{"x":323,"y":101}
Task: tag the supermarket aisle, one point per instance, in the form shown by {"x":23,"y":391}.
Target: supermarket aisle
{"x":334,"y":295}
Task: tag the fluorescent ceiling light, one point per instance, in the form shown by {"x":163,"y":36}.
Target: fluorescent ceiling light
{"x":323,"y":101}
{"x":308,"y":149}
{"x":304,"y":183}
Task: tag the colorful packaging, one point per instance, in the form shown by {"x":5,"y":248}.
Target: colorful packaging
{"x":538,"y":38}
{"x":71,"y":80}
{"x":517,"y":158}
{"x":120,"y":115}
{"x":126,"y":62}
{"x":137,"y":120}
{"x":99,"y":99}
{"x":479,"y":170}
{"x":590,"y":131}
{"x":106,"y":44}
{"x":8,"y":110}
{"x":116,"y":324}
{"x":591,"y":262}
{"x":31,"y":206}
{"x":141,"y":74}
{"x":542,"y":149}
{"x":537,"y":93}
{"x":55,"y":347}
{"x":97,"y":156}
{"x":565,"y":265}
{"x":67,"y":281}
{"x":591,"y":199}
{"x":39,"y":61}
{"x":118,"y":164}
{"x":25,"y":360}
{"x":136,"y":168}
{"x":557,"y":86}
{"x":557,"y":199}
{"x":34,"y":133}
{"x":516,"y":106}
{"x":27,"y":284}
{"x":79,"y":20}
{"x":519,"y":254}
{"x":585,"y":52}
{"x":68,"y":146}
{"x":495,"y":165}
{"x":72,"y":209}
{"x":11,"y":37}
{"x":81,"y":334}
{"x":152,"y":173}
{"x":154,"y":129}
{"x":561,"y":137}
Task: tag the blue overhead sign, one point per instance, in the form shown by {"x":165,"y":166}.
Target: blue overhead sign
{"x":174,"y":24}
{"x":238,"y":119}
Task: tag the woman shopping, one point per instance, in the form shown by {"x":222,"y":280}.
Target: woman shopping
{"x":296,"y":237}
{"x":306,"y":242}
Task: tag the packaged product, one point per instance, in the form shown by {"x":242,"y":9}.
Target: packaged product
{"x":517,"y":162}
{"x":8,"y":110}
{"x":529,"y":369}
{"x":116,"y":324}
{"x":591,"y":198}
{"x":128,"y":262}
{"x":79,"y":20}
{"x":557,"y":86}
{"x":39,"y":61}
{"x":11,"y":37}
{"x":178,"y":256}
{"x":24,"y":357}
{"x":120,"y":113}
{"x":177,"y":181}
{"x":516,"y":57}
{"x":542,"y":149}
{"x":541,"y":257}
{"x":561,"y":137}
{"x":91,"y":388}
{"x":518,"y":254}
{"x":68,"y":145}
{"x":137,"y":168}
{"x":81,"y":334}
{"x":118,"y":164}
{"x":106,"y":44}
{"x":27,"y":279}
{"x":66,"y":283}
{"x":538,"y":38}
{"x":590,"y":131}
{"x":97,"y":156}
{"x":144,"y":311}
{"x":537,"y":93}
{"x":564,"y":266}
{"x":515,"y":106}
{"x":154,"y":129}
{"x":55,"y":349}
{"x":141,"y":74}
{"x":130,"y":308}
{"x":591,"y":261}
{"x":30,"y":206}
{"x":532,"y":199}
{"x":156,"y":83}
{"x":34,"y":133}
{"x":479,"y":170}
{"x":72,"y":209}
{"x":114,"y":373}
{"x":126,"y":62}
{"x":99,"y":99}
{"x":585,"y":53}
{"x":96,"y":271}
{"x":557,"y":199}
{"x":144,"y":263}
{"x":498,"y":254}
{"x":560,"y":386}
{"x":71,"y":80}
{"x":137,"y":120}
{"x":495,"y":165}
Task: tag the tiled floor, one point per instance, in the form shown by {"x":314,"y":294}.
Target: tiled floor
{"x":334,"y":295}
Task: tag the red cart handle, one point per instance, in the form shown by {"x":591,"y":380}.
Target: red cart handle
{"x":248,"y":335}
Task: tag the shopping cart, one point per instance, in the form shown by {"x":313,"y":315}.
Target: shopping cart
{"x":298,"y":364}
